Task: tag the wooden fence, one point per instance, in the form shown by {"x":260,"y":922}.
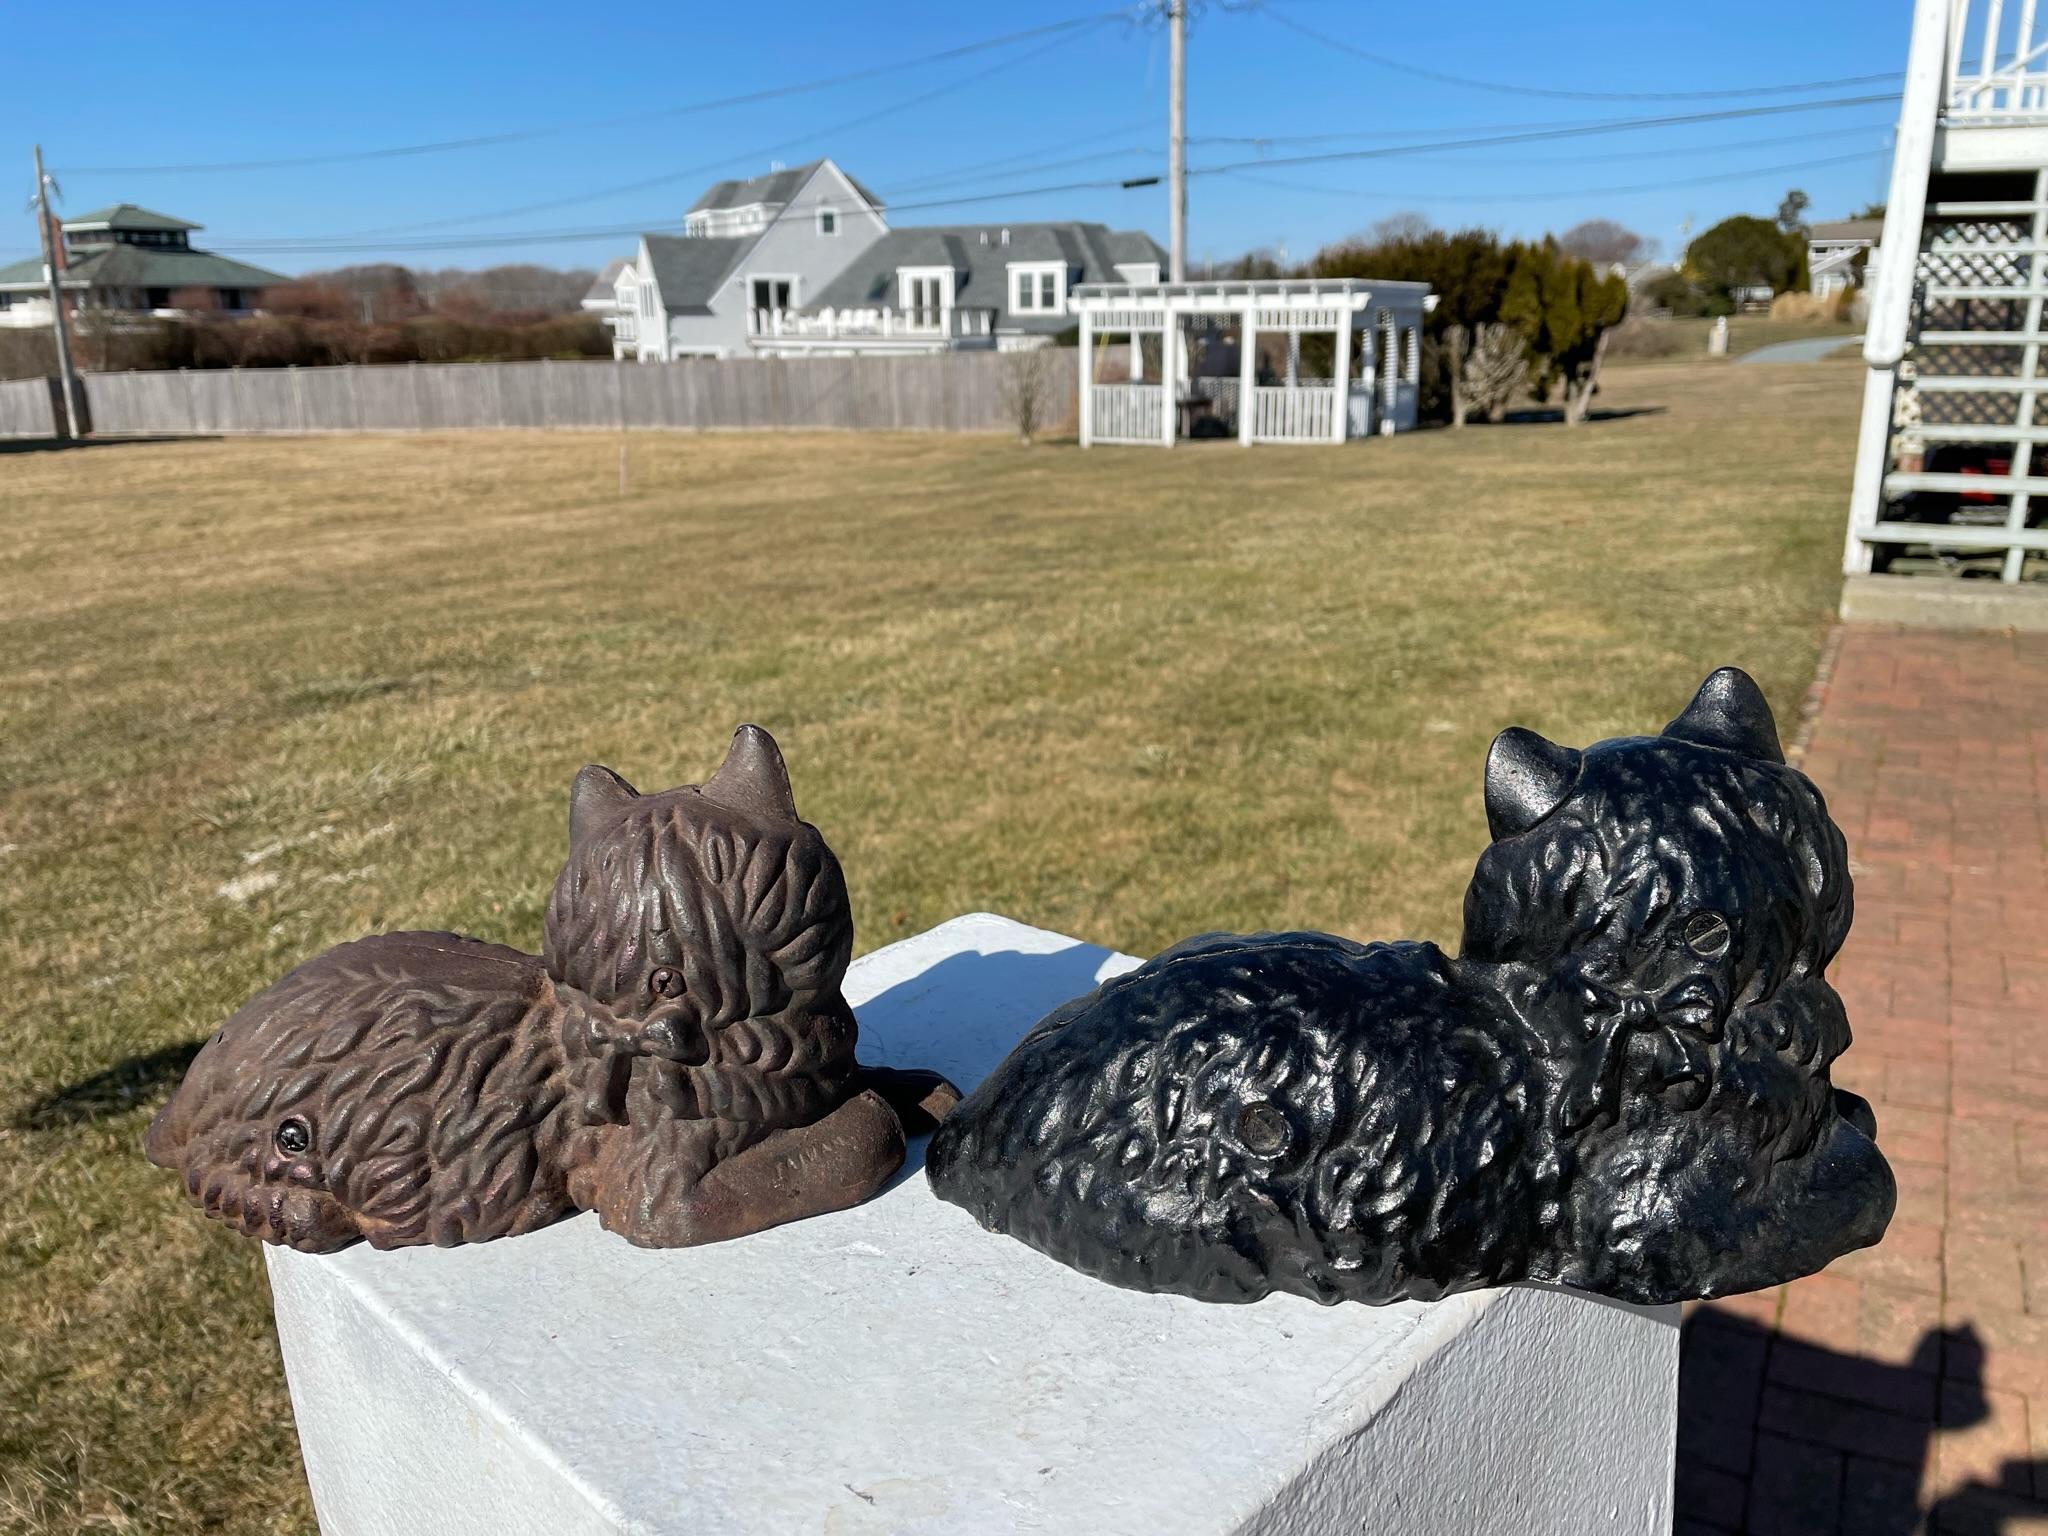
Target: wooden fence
{"x":28,"y":408}
{"x":942,"y":392}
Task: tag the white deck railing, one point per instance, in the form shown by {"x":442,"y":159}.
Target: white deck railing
{"x":871,"y":324}
{"x":1285,"y":415}
{"x":1127,"y":413}
{"x":1997,"y":62}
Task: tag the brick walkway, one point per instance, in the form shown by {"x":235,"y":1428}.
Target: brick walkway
{"x":1906,"y":1389}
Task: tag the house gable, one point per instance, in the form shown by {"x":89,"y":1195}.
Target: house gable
{"x":800,"y":253}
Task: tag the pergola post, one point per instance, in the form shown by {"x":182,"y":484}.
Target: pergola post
{"x":1169,"y":374}
{"x":1390,"y":372}
{"x":1247,"y":369}
{"x":1086,"y":403}
{"x":1340,"y":414}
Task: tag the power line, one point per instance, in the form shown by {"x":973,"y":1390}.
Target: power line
{"x":1506,"y":89}
{"x":1537,"y":135}
{"x":1353,"y":135}
{"x":668,"y":178}
{"x":310,"y":245}
{"x":1663,"y":150}
{"x":517,"y":136}
{"x":1009,"y":166}
{"x":1525,"y":196}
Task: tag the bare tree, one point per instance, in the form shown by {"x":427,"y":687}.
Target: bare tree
{"x":1406,"y":225}
{"x":1025,"y":388}
{"x":1604,"y":243}
{"x":1494,"y":371}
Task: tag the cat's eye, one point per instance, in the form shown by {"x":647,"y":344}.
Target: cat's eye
{"x":1706,"y":934}
{"x":666,"y":981}
{"x":293,"y":1136}
{"x":1263,"y":1130}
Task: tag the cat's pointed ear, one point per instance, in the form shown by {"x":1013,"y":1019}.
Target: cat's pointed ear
{"x":1730,"y":711}
{"x":752,"y":777}
{"x":595,"y":798}
{"x":1527,"y":778}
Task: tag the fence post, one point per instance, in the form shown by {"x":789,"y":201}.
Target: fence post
{"x":547,"y":393}
{"x":355,"y":392}
{"x":419,"y":409}
{"x":298,"y":396}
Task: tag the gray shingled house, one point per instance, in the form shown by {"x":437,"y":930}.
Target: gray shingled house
{"x":127,"y":259}
{"x":803,"y":261}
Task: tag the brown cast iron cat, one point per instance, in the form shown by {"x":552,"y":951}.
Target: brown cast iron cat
{"x":680,"y":1060}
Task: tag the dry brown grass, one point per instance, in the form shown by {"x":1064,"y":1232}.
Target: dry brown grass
{"x":1124,"y":694}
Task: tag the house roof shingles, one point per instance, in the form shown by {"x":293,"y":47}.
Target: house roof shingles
{"x":125,"y":216}
{"x":688,"y":269}
{"x":980,"y":261}
{"x":134,"y":266}
{"x":601,"y":292}
{"x":1848,"y":229}
{"x":775,"y":188}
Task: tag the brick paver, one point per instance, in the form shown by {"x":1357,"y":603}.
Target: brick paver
{"x":1906,"y":1389}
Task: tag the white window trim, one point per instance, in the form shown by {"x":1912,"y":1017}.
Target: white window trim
{"x":1024,"y":276}
{"x":906,"y":275}
{"x":794,"y":279}
{"x":827,"y":211}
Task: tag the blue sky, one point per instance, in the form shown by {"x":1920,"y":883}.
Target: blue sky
{"x":314,"y":82}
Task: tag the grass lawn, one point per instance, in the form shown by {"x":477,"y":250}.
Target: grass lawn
{"x":1745,"y":334}
{"x":262,"y":696}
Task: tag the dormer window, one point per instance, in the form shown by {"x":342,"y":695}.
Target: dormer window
{"x":924,"y":295}
{"x":828,"y":221}
{"x":1038,"y":287}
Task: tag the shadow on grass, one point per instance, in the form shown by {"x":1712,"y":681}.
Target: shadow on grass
{"x":115,"y":1091}
{"x":1553,"y":415}
{"x":66,"y":444}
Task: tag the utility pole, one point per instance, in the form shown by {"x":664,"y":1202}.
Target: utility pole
{"x":67,"y":381}
{"x":1177,"y":137}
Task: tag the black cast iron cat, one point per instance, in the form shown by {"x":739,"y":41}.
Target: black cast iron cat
{"x":1620,"y":1084}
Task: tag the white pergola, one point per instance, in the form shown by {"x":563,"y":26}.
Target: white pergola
{"x":1376,"y":328}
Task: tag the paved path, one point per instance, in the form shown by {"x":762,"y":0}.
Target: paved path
{"x":1906,"y":1388}
{"x":1812,"y":350}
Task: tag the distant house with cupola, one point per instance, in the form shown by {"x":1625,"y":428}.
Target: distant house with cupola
{"x":802,"y":261}
{"x":129,"y":260}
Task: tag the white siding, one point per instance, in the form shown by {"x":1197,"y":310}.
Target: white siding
{"x":791,"y":247}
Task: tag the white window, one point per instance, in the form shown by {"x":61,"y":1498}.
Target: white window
{"x":924,"y":294}
{"x":828,"y":221}
{"x":1038,"y":288}
{"x":770,"y":292}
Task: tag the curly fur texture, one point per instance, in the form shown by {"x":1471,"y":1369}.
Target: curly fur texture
{"x":427,"y":1088}
{"x":430,"y":1074}
{"x":1621,"y":1083}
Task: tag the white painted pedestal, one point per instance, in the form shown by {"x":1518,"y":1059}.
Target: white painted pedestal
{"x":895,"y":1368}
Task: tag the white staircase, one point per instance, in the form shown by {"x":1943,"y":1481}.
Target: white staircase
{"x":1946,"y":478}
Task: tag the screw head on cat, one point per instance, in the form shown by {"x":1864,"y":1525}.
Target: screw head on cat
{"x":1619,"y":1083}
